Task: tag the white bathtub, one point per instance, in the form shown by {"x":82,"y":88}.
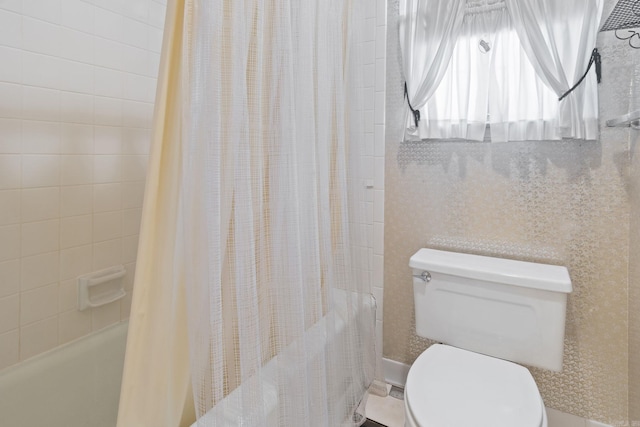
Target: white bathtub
{"x":77,"y":385}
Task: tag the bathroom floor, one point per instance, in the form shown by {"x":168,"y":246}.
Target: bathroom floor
{"x":384,"y":411}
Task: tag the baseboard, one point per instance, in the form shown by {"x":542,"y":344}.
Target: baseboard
{"x":395,"y":373}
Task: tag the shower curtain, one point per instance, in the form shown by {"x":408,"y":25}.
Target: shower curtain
{"x":252,"y":302}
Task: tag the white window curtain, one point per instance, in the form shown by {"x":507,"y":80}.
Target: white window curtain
{"x":558,"y":37}
{"x":490,"y":77}
{"x":428,"y":33}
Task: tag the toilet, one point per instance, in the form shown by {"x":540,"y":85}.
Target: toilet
{"x":489,"y":315}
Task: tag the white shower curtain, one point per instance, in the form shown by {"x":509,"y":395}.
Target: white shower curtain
{"x":270,"y":246}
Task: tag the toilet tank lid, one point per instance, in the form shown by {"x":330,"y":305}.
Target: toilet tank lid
{"x":499,"y":270}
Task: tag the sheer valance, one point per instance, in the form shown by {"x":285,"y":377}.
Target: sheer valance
{"x":504,"y":63}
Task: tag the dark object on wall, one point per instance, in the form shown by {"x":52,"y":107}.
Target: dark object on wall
{"x":625,"y":16}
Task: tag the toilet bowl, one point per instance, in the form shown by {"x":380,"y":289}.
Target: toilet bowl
{"x":490,"y":314}
{"x":451,"y":387}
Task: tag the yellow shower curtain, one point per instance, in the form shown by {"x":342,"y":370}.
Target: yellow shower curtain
{"x":156,"y":385}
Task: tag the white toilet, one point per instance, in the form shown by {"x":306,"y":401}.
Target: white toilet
{"x":487,"y":313}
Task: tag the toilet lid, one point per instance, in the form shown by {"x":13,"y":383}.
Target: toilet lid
{"x":451,"y":387}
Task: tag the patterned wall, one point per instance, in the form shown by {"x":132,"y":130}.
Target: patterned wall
{"x":562,"y":202}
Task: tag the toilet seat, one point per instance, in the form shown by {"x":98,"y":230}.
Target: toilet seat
{"x":450,"y":387}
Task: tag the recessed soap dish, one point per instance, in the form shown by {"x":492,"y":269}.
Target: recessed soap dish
{"x":101,"y":287}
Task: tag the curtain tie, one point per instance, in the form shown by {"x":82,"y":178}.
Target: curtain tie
{"x":595,"y":58}
{"x":416,"y":113}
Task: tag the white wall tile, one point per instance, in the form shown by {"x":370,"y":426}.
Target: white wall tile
{"x":10,"y":29}
{"x":42,"y":37}
{"x":107,"y":169}
{"x":40,"y":170}
{"x":107,"y":111}
{"x":108,"y":53}
{"x":139,"y":88}
{"x":381,"y":42}
{"x":107,"y":226}
{"x":75,"y":262}
{"x":76,"y":77}
{"x":38,"y":304}
{"x":136,"y":141}
{"x":9,"y":348}
{"x":38,"y":204}
{"x":40,"y":237}
{"x":11,"y":70}
{"x":10,"y":100}
{"x":9,"y":277}
{"x":107,"y":197}
{"x":9,"y":313}
{"x":380,"y":74}
{"x":10,"y":136}
{"x":38,"y":337}
{"x":107,"y":254}
{"x":40,"y":137}
{"x":10,"y":171}
{"x":113,"y":5}
{"x":378,"y":173}
{"x":76,"y":45}
{"x":77,"y":15}
{"x":39,"y":270}
{"x":134,"y":168}
{"x":133,"y":195}
{"x":135,"y":60}
{"x":10,"y":242}
{"x":105,"y":316}
{"x":76,"y":200}
{"x":108,"y":24}
{"x":64,"y":127}
{"x":76,"y":138}
{"x":74,"y":324}
{"x":381,"y":12}
{"x":108,"y":140}
{"x":129,"y":248}
{"x":9,"y":207}
{"x":76,"y":107}
{"x":135,"y":33}
{"x":378,"y":238}
{"x":68,"y":295}
{"x":44,"y":10}
{"x":40,"y":104}
{"x":137,"y":114}
{"x":379,"y":108}
{"x":76,"y":231}
{"x":77,"y":170}
{"x":157,"y":14}
{"x":108,"y":82}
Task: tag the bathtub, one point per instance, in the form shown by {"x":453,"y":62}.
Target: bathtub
{"x":76,"y":385}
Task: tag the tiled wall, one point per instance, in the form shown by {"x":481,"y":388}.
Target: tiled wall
{"x":77,"y":85}
{"x":561,"y":202}
{"x":374,"y":50}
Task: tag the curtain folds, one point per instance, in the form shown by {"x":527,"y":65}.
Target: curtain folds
{"x":429,"y":30}
{"x":511,"y":61}
{"x":156,"y":384}
{"x":252,"y":283}
{"x":559,"y":49}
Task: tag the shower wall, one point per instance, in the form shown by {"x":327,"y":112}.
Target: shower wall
{"x":77,"y":85}
{"x":560,"y":202}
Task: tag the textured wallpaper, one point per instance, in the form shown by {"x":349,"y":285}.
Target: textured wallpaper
{"x":560,"y":202}
{"x":634,"y":256}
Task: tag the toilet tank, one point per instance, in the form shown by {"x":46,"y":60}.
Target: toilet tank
{"x":509,"y":309}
